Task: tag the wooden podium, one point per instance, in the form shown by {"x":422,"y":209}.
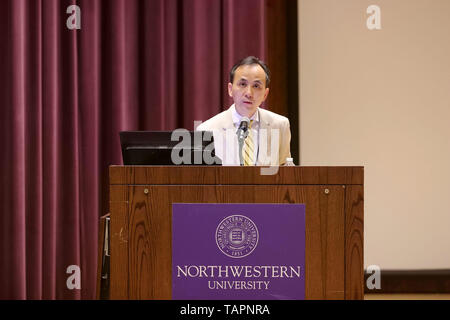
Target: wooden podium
{"x":141,"y":200}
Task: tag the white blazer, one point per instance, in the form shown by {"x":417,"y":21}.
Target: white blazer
{"x":274,"y":138}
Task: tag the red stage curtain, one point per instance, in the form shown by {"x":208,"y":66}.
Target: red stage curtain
{"x":66,"y":94}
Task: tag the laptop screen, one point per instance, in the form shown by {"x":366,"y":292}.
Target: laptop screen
{"x":178,"y":147}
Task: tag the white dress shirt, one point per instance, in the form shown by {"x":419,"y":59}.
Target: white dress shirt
{"x":237,"y":118}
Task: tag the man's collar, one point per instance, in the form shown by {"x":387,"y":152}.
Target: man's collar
{"x":237,"y":117}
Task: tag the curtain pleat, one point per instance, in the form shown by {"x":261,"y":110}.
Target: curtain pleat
{"x":5,"y":165}
{"x":66,"y":94}
{"x":17,"y":154}
{"x":89,"y":83}
{"x":34,"y":171}
{"x":52,"y":133}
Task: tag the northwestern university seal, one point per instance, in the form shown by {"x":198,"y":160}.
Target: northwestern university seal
{"x":237,"y":236}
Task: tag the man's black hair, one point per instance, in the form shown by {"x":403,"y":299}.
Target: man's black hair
{"x":249,"y":61}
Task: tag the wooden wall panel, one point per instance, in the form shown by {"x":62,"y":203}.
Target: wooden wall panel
{"x":354,"y":245}
{"x":325,"y":242}
{"x":150,"y":260}
{"x":212,"y":175}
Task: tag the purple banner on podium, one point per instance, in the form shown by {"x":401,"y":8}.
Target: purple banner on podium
{"x":238,"y":251}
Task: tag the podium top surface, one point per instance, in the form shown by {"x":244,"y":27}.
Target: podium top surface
{"x":223,"y":175}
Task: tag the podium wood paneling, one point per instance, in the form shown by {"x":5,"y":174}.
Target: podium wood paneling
{"x":141,"y":206}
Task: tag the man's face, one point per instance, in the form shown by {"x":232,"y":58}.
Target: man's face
{"x":248,"y":89}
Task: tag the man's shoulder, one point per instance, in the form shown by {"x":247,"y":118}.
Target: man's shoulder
{"x":216,"y":122}
{"x":272,"y":117}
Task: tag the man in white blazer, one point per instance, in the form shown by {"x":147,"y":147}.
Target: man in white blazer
{"x":271,"y":134}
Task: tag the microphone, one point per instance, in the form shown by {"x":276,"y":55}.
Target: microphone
{"x":242,"y":131}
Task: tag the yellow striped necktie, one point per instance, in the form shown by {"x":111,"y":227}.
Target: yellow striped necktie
{"x":249,"y":150}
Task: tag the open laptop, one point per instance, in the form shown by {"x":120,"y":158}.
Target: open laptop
{"x":178,"y":147}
